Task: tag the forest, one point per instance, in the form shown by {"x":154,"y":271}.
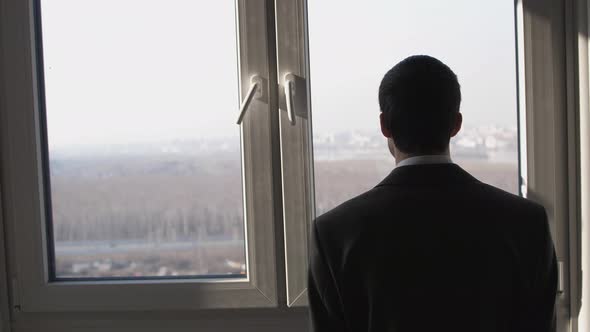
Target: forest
{"x":120,"y":212}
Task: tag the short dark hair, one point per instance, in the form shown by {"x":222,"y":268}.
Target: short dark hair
{"x":419,"y":98}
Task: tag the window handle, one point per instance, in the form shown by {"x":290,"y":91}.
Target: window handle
{"x":255,"y":90}
{"x":289,"y":87}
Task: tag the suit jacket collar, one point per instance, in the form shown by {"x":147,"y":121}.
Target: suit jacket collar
{"x":428,"y":174}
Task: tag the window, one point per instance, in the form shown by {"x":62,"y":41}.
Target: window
{"x":350,"y":155}
{"x":141,"y":194}
{"x":141,"y":184}
{"x":331,"y":65}
{"x":127,"y":185}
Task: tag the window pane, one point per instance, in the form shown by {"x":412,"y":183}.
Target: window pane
{"x":476,"y":39}
{"x":144,"y":152}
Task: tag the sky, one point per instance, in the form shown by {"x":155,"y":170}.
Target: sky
{"x":352,"y":46}
{"x":124,"y":71}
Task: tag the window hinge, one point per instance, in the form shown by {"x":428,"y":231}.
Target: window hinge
{"x":16,"y":306}
{"x":560,"y":286}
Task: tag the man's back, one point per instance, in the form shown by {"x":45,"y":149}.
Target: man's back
{"x":433,"y":249}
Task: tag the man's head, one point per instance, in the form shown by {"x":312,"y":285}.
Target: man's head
{"x":419,"y":100}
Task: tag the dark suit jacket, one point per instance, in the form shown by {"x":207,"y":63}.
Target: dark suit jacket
{"x":433,"y":249}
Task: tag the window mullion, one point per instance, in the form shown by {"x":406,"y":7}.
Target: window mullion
{"x":296,"y":154}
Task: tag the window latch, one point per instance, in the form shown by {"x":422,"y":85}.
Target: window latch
{"x":255,"y":90}
{"x":289,"y":87}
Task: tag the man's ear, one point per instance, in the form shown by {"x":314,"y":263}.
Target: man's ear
{"x":457,"y":125}
{"x":384,"y":130}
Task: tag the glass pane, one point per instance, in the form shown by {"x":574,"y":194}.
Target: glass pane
{"x":476,"y":39}
{"x":144,"y":152}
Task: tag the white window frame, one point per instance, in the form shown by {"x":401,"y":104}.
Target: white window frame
{"x":296,"y":145}
{"x":22,"y":129}
{"x":579,"y":79}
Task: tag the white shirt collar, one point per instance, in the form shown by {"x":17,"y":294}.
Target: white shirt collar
{"x":425,"y":160}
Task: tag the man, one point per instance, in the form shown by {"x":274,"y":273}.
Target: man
{"x":430,"y":248}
